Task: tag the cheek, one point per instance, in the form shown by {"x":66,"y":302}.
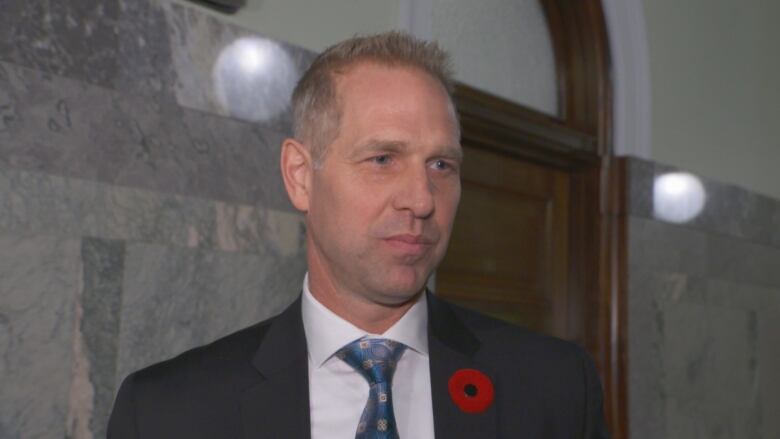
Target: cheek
{"x":449,"y":206}
{"x":352,"y":210}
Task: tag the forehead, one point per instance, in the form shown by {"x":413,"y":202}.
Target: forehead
{"x":371,"y":95}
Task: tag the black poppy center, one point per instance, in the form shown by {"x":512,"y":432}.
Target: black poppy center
{"x":470,"y":390}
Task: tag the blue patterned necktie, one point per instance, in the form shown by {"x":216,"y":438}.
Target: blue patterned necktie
{"x":375,"y":359}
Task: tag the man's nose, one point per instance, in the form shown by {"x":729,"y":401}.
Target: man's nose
{"x":416,"y":193}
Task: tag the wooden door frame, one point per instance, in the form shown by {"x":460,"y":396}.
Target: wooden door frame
{"x":578,"y":140}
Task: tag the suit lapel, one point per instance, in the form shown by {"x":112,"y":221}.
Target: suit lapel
{"x":452,"y":346}
{"x":279,"y":406}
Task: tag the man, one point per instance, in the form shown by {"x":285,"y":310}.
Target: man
{"x":366,"y":351}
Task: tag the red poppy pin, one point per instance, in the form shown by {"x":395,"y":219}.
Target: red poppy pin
{"x":471,"y":390}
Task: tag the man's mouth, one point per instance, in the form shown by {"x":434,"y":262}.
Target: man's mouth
{"x":409,"y":245}
{"x":411,"y":239}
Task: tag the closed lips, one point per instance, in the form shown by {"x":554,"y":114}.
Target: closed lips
{"x":411,"y":239}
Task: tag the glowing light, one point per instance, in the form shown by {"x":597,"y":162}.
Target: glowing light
{"x":252,"y":57}
{"x":254,"y":78}
{"x":678,"y":197}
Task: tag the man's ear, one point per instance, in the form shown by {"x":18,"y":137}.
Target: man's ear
{"x":297,"y":167}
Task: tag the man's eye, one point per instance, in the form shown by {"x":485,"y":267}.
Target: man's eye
{"x":383,"y":159}
{"x":441,"y":165}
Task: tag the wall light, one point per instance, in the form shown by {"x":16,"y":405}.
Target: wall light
{"x":678,"y":197}
{"x":254,"y":78}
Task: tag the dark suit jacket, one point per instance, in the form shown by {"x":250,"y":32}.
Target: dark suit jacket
{"x":254,"y":384}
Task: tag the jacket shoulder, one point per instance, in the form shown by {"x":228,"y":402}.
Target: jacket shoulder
{"x":189,"y":393}
{"x":498,"y":337}
{"x":221,"y":366}
{"x":230,"y":350}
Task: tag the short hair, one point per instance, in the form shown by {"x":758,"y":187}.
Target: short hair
{"x":316,"y":110}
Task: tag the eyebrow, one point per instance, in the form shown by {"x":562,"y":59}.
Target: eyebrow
{"x":453,"y":152}
{"x":448,"y":151}
{"x":379,"y":146}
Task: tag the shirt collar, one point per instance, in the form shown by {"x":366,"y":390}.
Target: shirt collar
{"x":326,"y":332}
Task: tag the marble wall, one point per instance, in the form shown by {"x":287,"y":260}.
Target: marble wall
{"x":704,"y":314}
{"x":141,"y":206}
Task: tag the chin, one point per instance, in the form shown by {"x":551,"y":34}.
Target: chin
{"x":400,"y":287}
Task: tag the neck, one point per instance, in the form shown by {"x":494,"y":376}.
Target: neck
{"x":372,"y":317}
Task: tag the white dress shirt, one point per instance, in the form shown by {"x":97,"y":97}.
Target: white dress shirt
{"x":338,"y":393}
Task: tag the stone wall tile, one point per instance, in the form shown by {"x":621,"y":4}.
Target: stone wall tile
{"x":703,"y":356}
{"x":711,"y":374}
{"x":76,"y":39}
{"x":178,"y":298}
{"x":65,"y":127}
{"x":774,"y":227}
{"x":101,"y":300}
{"x":34,"y":203}
{"x":41,"y":279}
{"x":737,"y":295}
{"x":666,"y":247}
{"x":144,"y":51}
{"x":736,"y":212}
{"x":647,"y":398}
{"x":768,"y":365}
{"x":742,"y":261}
{"x":234,"y":161}
{"x":121,"y":44}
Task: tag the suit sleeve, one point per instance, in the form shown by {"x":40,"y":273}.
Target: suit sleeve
{"x":122,"y":423}
{"x":595,"y":424}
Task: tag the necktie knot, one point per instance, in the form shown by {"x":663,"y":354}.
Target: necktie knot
{"x":374,"y":358}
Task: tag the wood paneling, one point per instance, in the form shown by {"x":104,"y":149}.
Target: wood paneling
{"x":508,"y":253}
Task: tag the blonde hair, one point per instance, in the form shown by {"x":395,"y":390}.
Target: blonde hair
{"x":316,"y":110}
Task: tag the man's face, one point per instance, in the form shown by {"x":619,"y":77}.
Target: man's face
{"x":382,"y":203}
